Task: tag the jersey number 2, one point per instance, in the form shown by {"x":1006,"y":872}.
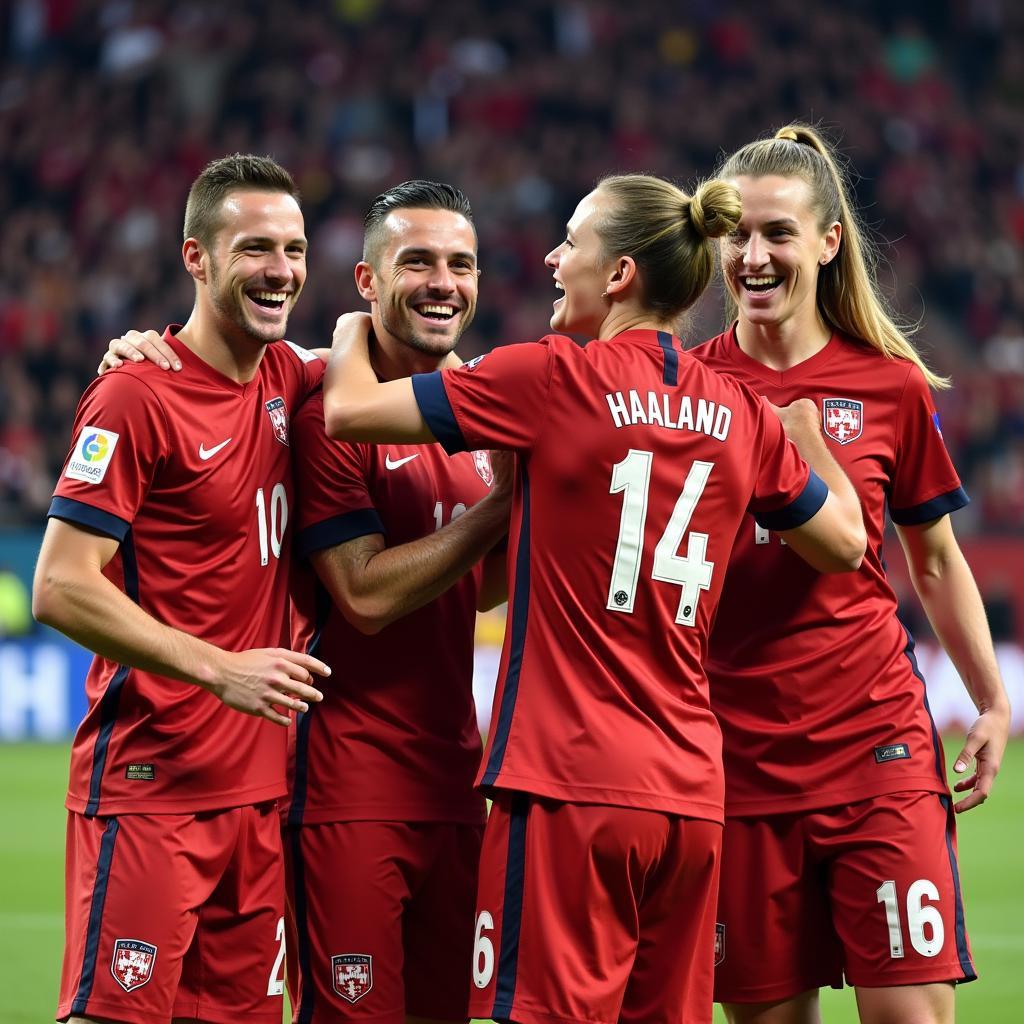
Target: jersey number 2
{"x":690,"y":572}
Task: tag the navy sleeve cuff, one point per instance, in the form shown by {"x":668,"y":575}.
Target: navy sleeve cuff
{"x":798,"y":511}
{"x":437,"y":411}
{"x":337,"y":530}
{"x":930,"y":510}
{"x":95,"y":519}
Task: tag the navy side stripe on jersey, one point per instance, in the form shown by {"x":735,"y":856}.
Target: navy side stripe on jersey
{"x":798,"y":511}
{"x":437,"y":411}
{"x":111,"y":698}
{"x":670,"y":375}
{"x":929,"y":510}
{"x":87,"y":978}
{"x":519,"y":613}
{"x":338,"y":530}
{"x":940,"y":768}
{"x":512,"y":908}
{"x":79,"y":512}
{"x":304,"y":721}
{"x":962,"y":952}
{"x":306,"y":1002}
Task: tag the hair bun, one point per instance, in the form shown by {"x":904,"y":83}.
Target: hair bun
{"x":789,"y":134}
{"x":715,"y":209}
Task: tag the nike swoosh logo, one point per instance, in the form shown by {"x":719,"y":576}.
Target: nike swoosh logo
{"x":395,"y":463}
{"x":208,"y":453}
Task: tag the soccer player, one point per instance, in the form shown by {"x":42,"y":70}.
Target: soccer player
{"x":166,"y":553}
{"x":839,"y":846}
{"x":635,"y":468}
{"x":382,"y":825}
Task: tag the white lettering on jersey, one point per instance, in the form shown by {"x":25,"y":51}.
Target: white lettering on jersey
{"x":671,"y":412}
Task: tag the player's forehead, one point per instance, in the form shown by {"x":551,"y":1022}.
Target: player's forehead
{"x":247,"y":213}
{"x":442,"y":233}
{"x":773,"y":198}
{"x":588,"y":210}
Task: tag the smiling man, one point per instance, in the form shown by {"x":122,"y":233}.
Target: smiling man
{"x":166,"y":553}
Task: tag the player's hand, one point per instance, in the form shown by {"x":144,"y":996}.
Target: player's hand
{"x":261,"y":682}
{"x":503,"y":465}
{"x":357,"y":323}
{"x":798,"y":418}
{"x":135,"y":346}
{"x":986,"y":741}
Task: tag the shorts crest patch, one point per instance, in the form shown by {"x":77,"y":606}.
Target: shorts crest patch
{"x":133,"y":963}
{"x":719,"y":943}
{"x":892,"y":752}
{"x":482,"y":461}
{"x":92,"y":454}
{"x":279,"y":418}
{"x":352,"y":975}
{"x":843,"y":419}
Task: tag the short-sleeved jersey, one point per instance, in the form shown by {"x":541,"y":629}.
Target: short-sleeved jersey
{"x":812,"y":676}
{"x":396,"y":736}
{"x":636,"y":468}
{"x":191,"y":473}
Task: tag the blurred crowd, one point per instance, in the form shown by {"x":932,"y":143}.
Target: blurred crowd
{"x":109,"y":108}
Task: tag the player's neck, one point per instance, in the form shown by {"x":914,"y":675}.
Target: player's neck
{"x":236,"y":357}
{"x":785,"y":344}
{"x":628,"y":317}
{"x":393,"y":359}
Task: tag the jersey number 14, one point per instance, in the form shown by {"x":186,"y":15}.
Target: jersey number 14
{"x":690,"y":572}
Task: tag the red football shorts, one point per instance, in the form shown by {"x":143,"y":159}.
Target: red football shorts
{"x":174,"y":915}
{"x":380,"y":917}
{"x":870,"y":890}
{"x":594,"y":913}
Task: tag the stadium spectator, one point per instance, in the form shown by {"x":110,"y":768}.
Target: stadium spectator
{"x":838,"y":814}
{"x":602,"y":758}
{"x":167,"y":553}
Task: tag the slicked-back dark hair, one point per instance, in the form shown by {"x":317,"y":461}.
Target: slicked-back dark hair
{"x":417,"y":194}
{"x":240,"y":172}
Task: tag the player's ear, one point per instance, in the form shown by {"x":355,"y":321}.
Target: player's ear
{"x":193,"y":255}
{"x":621,"y":275}
{"x":365,"y":282}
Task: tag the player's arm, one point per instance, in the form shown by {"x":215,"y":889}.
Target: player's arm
{"x":945,"y":584}
{"x":71,"y":594}
{"x":359,"y":407}
{"x":374,"y":585}
{"x":834,"y":538}
{"x":135,"y":346}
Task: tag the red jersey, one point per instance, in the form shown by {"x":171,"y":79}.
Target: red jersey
{"x":812,"y":675}
{"x":396,"y":737}
{"x":637,"y":465}
{"x":190,"y":472}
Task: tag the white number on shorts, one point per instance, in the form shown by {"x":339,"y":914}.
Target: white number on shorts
{"x":275,"y":986}
{"x":692,"y":572}
{"x":483,"y":950}
{"x":273,"y":538}
{"x":926,"y":931}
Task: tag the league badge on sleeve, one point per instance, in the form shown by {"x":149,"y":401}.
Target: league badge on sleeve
{"x":279,"y":418}
{"x":133,"y":963}
{"x":353,"y":975}
{"x":92,"y":454}
{"x":843,"y":419}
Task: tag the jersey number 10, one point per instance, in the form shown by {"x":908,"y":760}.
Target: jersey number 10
{"x":272,"y":534}
{"x":690,"y":572}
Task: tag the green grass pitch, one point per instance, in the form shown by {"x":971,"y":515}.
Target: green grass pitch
{"x":31,"y":891}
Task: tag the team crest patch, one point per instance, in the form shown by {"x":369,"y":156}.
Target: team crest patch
{"x":352,"y":975}
{"x":279,"y":418}
{"x":843,"y":419}
{"x":91,"y":455}
{"x":719,"y":943}
{"x":474,"y":362}
{"x":133,"y":963}
{"x":482,"y":461}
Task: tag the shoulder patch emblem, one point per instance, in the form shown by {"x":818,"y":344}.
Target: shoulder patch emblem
{"x":92,"y":454}
{"x":352,"y":975}
{"x":133,"y":963}
{"x":843,"y":419}
{"x":482,"y":461}
{"x":279,"y":418}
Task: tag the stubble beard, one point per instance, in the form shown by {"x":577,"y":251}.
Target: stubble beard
{"x":229,"y":309}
